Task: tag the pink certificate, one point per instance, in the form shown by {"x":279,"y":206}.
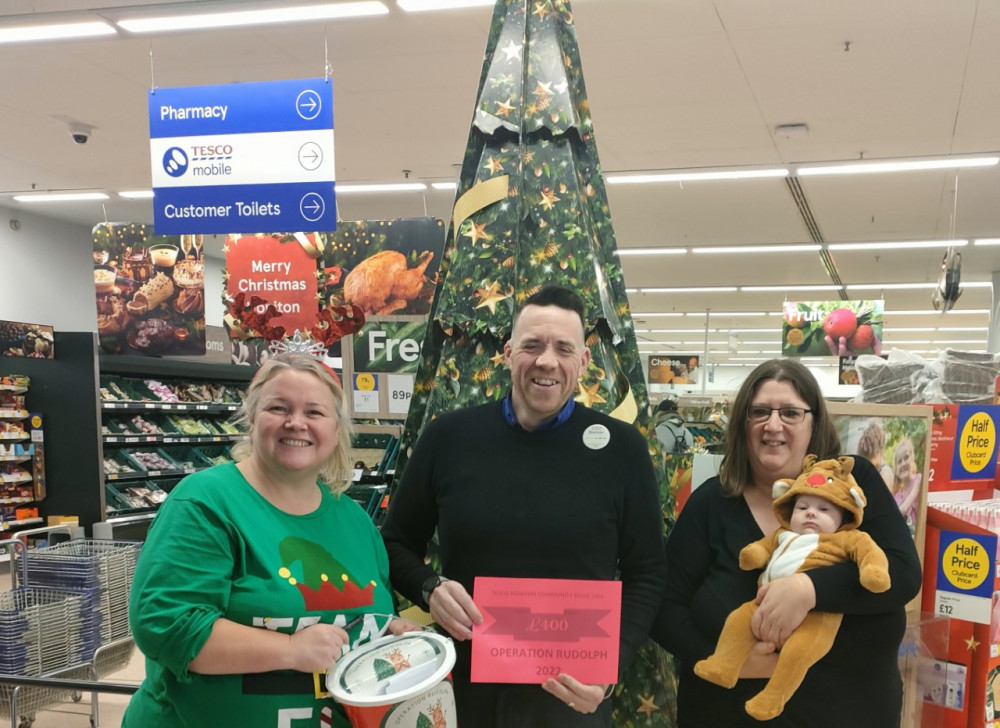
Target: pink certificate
{"x":534,"y":629}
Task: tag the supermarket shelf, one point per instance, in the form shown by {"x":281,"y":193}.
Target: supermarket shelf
{"x":5,"y":525}
{"x":169,"y":438}
{"x":13,"y":414}
{"x":12,"y":388}
{"x":171,"y":406}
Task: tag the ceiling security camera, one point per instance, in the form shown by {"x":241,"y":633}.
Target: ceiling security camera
{"x":79,"y":133}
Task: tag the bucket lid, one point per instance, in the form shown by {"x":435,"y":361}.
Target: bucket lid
{"x":391,"y":669}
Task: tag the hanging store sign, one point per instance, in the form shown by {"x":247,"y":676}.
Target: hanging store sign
{"x":243,"y":157}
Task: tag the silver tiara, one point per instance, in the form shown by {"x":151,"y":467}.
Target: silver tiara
{"x":299,"y":343}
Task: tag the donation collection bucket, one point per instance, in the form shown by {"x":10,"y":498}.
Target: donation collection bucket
{"x":401,"y":681}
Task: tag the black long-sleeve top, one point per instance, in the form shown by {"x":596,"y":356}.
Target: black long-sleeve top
{"x":859,"y":677}
{"x":540,"y":504}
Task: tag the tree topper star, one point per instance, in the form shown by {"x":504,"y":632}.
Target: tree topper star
{"x":490,"y":296}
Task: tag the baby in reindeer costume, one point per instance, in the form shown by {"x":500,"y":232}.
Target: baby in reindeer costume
{"x":819,"y":513}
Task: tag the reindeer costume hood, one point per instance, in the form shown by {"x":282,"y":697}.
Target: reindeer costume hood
{"x":829,"y":479}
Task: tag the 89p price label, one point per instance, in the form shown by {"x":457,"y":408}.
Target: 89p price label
{"x":400,"y":392}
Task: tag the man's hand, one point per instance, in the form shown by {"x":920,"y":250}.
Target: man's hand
{"x":581,"y":698}
{"x":782,"y":604}
{"x":453,"y":609}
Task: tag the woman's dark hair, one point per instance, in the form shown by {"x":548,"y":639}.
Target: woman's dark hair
{"x":735,"y":472}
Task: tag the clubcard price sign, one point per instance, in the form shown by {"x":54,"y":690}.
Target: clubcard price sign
{"x":965,"y":576}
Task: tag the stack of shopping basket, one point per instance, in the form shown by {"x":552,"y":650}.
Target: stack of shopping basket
{"x":45,"y":632}
{"x":103,"y":567}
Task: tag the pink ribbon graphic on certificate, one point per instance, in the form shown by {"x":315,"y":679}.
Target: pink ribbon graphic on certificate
{"x":534,"y":629}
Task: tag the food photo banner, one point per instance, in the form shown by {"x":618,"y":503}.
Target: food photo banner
{"x":149,"y":290}
{"x":674,"y":369}
{"x":832,"y":328}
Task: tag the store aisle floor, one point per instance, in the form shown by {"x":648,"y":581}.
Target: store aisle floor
{"x":77,"y":715}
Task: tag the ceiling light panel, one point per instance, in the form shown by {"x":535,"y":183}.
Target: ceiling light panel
{"x":237,"y":18}
{"x":56,"y":31}
{"x":914,"y":165}
{"x":62,"y":197}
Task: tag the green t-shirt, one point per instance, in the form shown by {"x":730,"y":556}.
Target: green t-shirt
{"x":217,"y":548}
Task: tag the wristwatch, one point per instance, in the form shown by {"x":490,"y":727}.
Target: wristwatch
{"x":429,"y":585}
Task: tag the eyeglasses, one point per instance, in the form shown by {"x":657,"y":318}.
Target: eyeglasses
{"x":788,"y":415}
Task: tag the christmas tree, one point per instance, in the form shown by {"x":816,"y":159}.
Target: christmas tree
{"x":531,"y":210}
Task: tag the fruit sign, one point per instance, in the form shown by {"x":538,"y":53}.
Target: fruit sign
{"x":832,"y":328}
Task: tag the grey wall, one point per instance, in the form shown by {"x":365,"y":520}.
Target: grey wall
{"x":45,"y":273}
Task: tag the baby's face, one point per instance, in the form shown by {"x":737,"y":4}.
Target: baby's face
{"x":813,"y":514}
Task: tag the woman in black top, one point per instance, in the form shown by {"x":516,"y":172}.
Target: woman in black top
{"x":778,"y":417}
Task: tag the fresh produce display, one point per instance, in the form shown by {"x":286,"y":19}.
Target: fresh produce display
{"x":188,"y":425}
{"x":151,"y":460}
{"x":116,"y":467}
{"x":147,"y":428}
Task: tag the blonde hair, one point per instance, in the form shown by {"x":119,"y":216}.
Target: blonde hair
{"x":336,"y":471}
{"x":904,"y":446}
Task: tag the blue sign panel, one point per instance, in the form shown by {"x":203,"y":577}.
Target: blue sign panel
{"x":243,"y":158}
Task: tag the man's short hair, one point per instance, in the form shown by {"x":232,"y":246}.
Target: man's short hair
{"x":557,"y":296}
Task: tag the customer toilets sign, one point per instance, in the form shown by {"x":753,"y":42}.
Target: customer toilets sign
{"x":241,"y":158}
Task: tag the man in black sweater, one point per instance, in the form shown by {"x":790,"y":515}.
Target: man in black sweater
{"x":533,"y":486}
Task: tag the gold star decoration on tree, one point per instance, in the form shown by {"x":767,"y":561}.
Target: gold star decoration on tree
{"x":589,"y":395}
{"x":477,"y":232}
{"x":548,"y":198}
{"x":493,"y":165}
{"x":497,"y":359}
{"x":647,"y":706}
{"x":504,"y":108}
{"x":542,"y":10}
{"x":490,"y":296}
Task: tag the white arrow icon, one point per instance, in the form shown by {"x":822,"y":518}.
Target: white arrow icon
{"x":312,"y":207}
{"x":308,"y":104}
{"x":310,"y":156}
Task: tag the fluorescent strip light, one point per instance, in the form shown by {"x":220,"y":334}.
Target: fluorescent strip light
{"x":763,"y":289}
{"x":901,"y":329}
{"x":56,"y":32}
{"x":299,"y":13}
{"x":680,"y":331}
{"x":898,"y":166}
{"x":927,"y":311}
{"x":911,"y":286}
{"x":691,"y":289}
{"x":418,"y":6}
{"x":748,"y":331}
{"x":651,"y":251}
{"x":400,"y":187}
{"x":963,"y":328}
{"x":907,"y":244}
{"x":637,"y":315}
{"x":445,"y":185}
{"x":136,"y":194}
{"x":759,"y":249}
{"x":635,"y":179}
{"x":988,"y":241}
{"x":62,"y":197}
{"x":728,"y":313}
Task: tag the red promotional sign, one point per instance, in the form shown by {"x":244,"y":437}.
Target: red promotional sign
{"x":281,"y":273}
{"x":534,"y":629}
